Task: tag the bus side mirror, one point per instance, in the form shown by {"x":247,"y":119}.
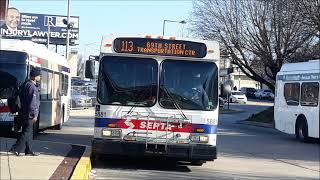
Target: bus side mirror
{"x":90,"y":69}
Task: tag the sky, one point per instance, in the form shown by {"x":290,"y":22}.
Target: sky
{"x":121,"y":17}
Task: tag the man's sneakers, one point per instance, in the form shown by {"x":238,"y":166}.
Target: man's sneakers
{"x":14,"y":152}
{"x":32,"y":154}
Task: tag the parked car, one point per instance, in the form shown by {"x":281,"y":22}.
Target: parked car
{"x":248,"y":91}
{"x":271,"y":96}
{"x":79,"y":100}
{"x":237,"y":96}
{"x":264,"y":94}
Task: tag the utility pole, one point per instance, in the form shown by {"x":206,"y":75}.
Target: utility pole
{"x":68,"y":27}
{"x":48,"y":40}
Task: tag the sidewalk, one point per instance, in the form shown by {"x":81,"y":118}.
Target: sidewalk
{"x":27,"y":167}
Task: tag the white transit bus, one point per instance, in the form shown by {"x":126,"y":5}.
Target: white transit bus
{"x":157,"y":97}
{"x":296,"y":109}
{"x":17,"y":57}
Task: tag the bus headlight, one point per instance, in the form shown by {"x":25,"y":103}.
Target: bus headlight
{"x":199,"y":138}
{"x":111,"y":132}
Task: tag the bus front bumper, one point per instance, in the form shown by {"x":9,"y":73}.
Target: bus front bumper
{"x":183,"y":152}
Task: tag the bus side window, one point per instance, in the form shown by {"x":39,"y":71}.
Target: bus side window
{"x":309,"y":94}
{"x":65,"y":81}
{"x":292,"y":93}
{"x":50,"y":85}
{"x":61,"y":84}
{"x":44,"y":85}
{"x":56,"y":87}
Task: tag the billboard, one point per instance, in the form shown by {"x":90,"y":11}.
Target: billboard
{"x":37,"y":27}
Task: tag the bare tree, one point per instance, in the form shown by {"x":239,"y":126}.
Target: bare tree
{"x":310,"y":12}
{"x":266,"y":31}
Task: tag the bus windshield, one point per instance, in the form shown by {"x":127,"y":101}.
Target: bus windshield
{"x":128,"y":81}
{"x":192,"y":85}
{"x":13,"y":71}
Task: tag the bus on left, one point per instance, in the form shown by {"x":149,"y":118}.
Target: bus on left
{"x":17,"y":57}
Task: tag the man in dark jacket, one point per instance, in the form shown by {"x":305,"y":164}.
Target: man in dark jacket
{"x":28,"y":114}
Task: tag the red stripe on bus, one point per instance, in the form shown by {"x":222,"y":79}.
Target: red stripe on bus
{"x":153,"y":125}
{"x":4,"y":109}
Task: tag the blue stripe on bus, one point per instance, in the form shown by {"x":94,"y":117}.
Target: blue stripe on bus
{"x":208,"y":129}
{"x":103,"y":122}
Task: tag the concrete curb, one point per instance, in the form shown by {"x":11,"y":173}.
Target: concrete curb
{"x":252,"y":123}
{"x":233,"y":111}
{"x":83,"y":166}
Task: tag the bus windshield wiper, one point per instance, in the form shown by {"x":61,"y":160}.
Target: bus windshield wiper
{"x":176,"y":105}
{"x":139,"y":99}
{"x":132,"y":107}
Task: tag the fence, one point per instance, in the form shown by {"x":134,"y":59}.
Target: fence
{"x":83,"y":97}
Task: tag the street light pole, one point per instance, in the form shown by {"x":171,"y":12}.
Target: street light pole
{"x":239,"y":78}
{"x":68,"y":22}
{"x":164,"y":24}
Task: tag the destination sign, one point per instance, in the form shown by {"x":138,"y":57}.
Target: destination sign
{"x":299,"y":77}
{"x":161,"y":47}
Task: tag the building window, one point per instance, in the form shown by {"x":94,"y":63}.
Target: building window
{"x":310,"y":94}
{"x":292,"y":93}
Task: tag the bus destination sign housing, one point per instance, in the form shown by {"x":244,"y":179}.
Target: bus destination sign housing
{"x":161,"y":47}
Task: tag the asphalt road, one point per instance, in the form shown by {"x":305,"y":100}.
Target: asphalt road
{"x":244,"y":152}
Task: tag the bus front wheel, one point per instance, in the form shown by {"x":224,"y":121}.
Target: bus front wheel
{"x":302,"y":130}
{"x":59,"y":126}
{"x":197,"y":162}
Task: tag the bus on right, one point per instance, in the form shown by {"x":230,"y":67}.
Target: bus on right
{"x":296,"y":106}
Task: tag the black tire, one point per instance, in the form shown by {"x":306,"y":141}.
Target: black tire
{"x":197,"y":162}
{"x":95,"y":157}
{"x":59,"y":126}
{"x":73,"y":104}
{"x":302,"y":130}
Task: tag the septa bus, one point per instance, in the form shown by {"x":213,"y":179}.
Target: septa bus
{"x":157,"y":97}
{"x":16,"y":60}
{"x":296,"y":109}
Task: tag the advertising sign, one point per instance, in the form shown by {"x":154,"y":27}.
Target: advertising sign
{"x":37,"y":27}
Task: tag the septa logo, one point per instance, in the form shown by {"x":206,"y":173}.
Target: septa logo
{"x":129,"y":123}
{"x":152,"y":125}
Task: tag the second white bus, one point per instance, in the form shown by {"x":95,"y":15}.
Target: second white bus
{"x":296,"y":109}
{"x":16,"y":60}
